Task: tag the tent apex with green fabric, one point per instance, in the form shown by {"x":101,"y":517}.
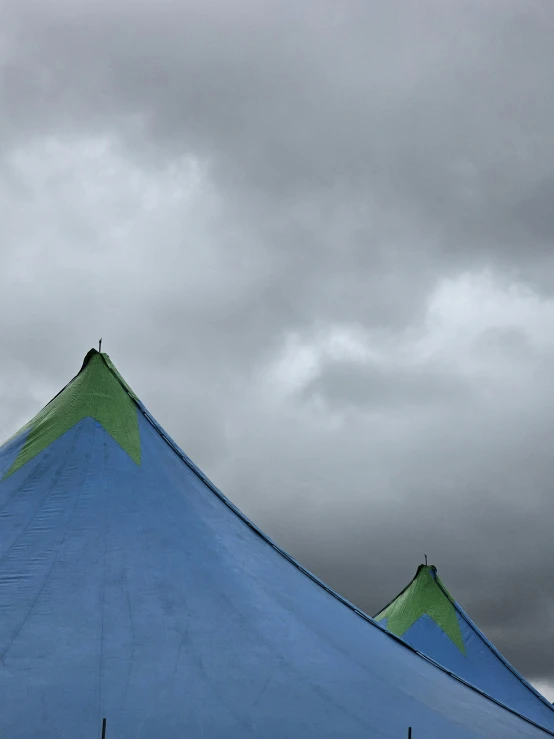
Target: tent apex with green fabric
{"x":427,"y":617}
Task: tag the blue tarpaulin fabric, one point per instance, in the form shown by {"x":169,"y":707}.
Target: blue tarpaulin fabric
{"x":131,"y":589}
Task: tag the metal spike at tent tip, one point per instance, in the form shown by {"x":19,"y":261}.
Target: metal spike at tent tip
{"x":100,"y":345}
{"x":425,"y":560}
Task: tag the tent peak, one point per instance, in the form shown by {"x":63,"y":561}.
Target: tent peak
{"x":98,"y":392}
{"x":90,"y":354}
{"x":431,"y":569}
{"x":425,"y":596}
{"x":425,"y":612}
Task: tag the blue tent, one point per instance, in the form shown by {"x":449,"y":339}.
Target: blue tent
{"x":132,"y":589}
{"x":426,"y":616}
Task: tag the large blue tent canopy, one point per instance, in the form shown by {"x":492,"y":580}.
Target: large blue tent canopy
{"x":132,"y":589}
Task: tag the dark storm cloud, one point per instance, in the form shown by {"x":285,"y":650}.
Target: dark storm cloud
{"x":535,"y":211}
{"x":200,"y":182}
{"x":445,"y":112}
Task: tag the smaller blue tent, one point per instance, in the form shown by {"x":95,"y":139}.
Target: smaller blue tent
{"x":428,"y":618}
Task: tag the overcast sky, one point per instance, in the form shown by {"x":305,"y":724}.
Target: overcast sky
{"x":317,"y":239}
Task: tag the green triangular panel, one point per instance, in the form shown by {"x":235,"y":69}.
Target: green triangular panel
{"x":96,"y":392}
{"x":424,"y":596}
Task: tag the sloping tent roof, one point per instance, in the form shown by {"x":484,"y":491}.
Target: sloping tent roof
{"x":430,"y":620}
{"x":132,"y":589}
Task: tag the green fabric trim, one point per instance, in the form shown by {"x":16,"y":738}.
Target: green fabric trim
{"x":425,"y":595}
{"x":97,"y":392}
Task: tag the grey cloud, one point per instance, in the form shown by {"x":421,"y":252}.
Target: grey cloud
{"x":390,"y":388}
{"x":535,"y":210}
{"x":446,"y":118}
{"x":362,"y":144}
